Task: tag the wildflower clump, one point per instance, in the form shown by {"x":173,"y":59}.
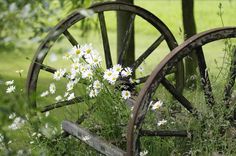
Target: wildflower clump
{"x":86,"y":67}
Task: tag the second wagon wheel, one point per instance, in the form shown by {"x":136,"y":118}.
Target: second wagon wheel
{"x":201,"y":106}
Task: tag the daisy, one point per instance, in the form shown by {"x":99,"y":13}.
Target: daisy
{"x":87,"y":74}
{"x":157,"y":105}
{"x":58,"y":98}
{"x":92,"y":93}
{"x":12,"y":116}
{"x":88,"y":50}
{"x":125,"y":94}
{"x":143,"y":153}
{"x":126,"y":72}
{"x":107,"y":74}
{"x":52,"y":88}
{"x":47,"y":114}
{"x":97,"y":84}
{"x":162,"y":122}
{"x":43,"y":94}
{"x":19,"y":71}
{"x":11,"y":89}
{"x":77,"y":51}
{"x":70,"y":86}
{"x":112,"y":79}
{"x":117,"y":68}
{"x":8,"y":83}
{"x":59,"y":74}
{"x":71,"y":96}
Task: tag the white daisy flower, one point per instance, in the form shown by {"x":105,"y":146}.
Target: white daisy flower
{"x":11,"y":89}
{"x":52,"y":88}
{"x":58,"y":98}
{"x":94,"y":60}
{"x":70,"y":86}
{"x":117,"y":68}
{"x":113,"y":78}
{"x":71,"y":96}
{"x":43,"y":94}
{"x":47,"y":114}
{"x":66,"y":94}
{"x":157,"y":105}
{"x":97,"y":84}
{"x":12,"y":116}
{"x":107,"y":74}
{"x":19,"y":71}
{"x":92,"y":93}
{"x":75,"y":67}
{"x":143,"y":153}
{"x":77,"y":51}
{"x":125,"y":94}
{"x":1,"y":138}
{"x":126,"y":72}
{"x":59,"y":74}
{"x":17,"y":123}
{"x":87,"y":49}
{"x":162,"y":122}
{"x":8,"y":83}
{"x":87,"y":74}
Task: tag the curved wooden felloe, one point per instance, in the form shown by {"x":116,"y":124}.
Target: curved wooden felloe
{"x":62,"y":29}
{"x":158,"y":76}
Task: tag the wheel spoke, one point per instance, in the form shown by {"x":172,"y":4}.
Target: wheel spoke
{"x":148,"y":52}
{"x":177,"y":95}
{"x":206,"y":84}
{"x":126,"y":40}
{"x":231,"y":79}
{"x":62,"y":103}
{"x":50,"y":69}
{"x":181,"y":133}
{"x":70,"y":38}
{"x":105,"y":40}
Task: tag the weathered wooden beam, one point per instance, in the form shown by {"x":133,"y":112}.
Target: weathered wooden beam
{"x":92,"y":140}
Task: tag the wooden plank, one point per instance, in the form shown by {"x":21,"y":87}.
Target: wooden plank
{"x":92,"y":140}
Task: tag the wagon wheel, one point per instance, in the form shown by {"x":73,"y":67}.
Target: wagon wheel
{"x":136,"y":129}
{"x":62,"y":30}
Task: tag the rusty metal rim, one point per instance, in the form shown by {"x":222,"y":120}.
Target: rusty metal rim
{"x":75,"y":17}
{"x":154,"y":79}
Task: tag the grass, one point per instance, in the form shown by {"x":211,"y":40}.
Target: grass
{"x":206,"y":18}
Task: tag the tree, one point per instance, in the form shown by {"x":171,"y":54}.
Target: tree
{"x":123,"y":20}
{"x":189,"y":30}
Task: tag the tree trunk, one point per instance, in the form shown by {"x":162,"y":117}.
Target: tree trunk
{"x":189,"y":30}
{"x":123,"y":19}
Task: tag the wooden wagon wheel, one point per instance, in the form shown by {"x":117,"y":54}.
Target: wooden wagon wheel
{"x":158,"y":77}
{"x":62,"y":29}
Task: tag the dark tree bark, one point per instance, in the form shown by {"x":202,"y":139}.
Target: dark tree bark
{"x":189,"y":30}
{"x":123,"y":19}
